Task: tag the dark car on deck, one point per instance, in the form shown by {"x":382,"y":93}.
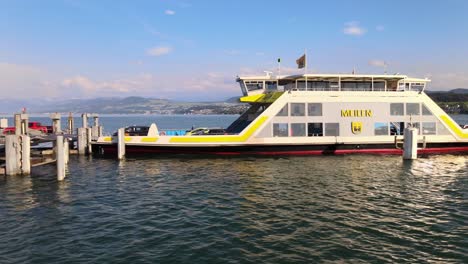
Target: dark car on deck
{"x":135,"y":131}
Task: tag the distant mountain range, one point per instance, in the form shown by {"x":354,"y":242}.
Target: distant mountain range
{"x":127,"y":105}
{"x":452,"y":101}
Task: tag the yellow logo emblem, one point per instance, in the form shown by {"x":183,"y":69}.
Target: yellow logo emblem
{"x":356,"y":127}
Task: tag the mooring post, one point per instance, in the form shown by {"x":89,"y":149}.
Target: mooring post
{"x":3,"y":123}
{"x":84,"y":118}
{"x":82,"y":141}
{"x":95,"y":128}
{"x":410,"y":143}
{"x":88,"y":140}
{"x":121,"y":143}
{"x":24,"y":123}
{"x":100,"y":130}
{"x":56,"y":126}
{"x":25,"y":142}
{"x":70,"y":123}
{"x":66,"y":150}
{"x":12,"y":159}
{"x":60,"y":158}
{"x":17,"y":124}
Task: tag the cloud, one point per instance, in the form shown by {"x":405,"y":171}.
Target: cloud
{"x":159,"y":50}
{"x":169,"y":12}
{"x":380,"y":28}
{"x":378,"y":63}
{"x":352,"y":28}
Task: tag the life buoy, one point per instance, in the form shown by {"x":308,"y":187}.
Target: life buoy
{"x":162,"y":133}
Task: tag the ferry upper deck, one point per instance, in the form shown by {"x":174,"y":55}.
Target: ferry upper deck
{"x":255,"y":85}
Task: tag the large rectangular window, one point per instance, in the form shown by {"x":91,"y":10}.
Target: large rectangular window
{"x":315,"y":129}
{"x":254,"y":85}
{"x":314,"y":109}
{"x":298,"y":130}
{"x":412,"y":109}
{"x":297,"y":109}
{"x":332,"y":129}
{"x":379,"y":86}
{"x":280,"y":129}
{"x":381,"y":129}
{"x":396,"y":109}
{"x":416,"y":125}
{"x":284,"y":111}
{"x":425,"y":110}
{"x":397,"y":128}
{"x":428,"y":128}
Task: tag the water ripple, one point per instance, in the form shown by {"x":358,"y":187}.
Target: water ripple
{"x":297,"y":209}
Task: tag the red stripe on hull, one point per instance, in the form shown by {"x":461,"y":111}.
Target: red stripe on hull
{"x":383,"y":151}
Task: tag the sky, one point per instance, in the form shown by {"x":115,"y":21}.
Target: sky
{"x":193,"y":50}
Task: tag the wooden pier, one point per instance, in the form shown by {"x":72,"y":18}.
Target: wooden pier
{"x":23,"y":150}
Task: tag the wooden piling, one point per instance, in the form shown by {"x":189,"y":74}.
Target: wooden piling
{"x":84,"y":118}
{"x":24,"y":124}
{"x":25,"y":164}
{"x":70,"y":123}
{"x":66,"y":150}
{"x":121,"y":143}
{"x":60,"y":158}
{"x":56,"y":126}
{"x":88,"y":140}
{"x":82,"y":140}
{"x":17,"y":124}
{"x":12,"y":161}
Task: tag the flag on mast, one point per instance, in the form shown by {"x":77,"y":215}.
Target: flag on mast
{"x":301,"y":62}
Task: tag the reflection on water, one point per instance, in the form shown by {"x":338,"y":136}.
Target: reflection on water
{"x":295,"y":209}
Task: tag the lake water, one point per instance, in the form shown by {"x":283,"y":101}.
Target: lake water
{"x":355,"y":208}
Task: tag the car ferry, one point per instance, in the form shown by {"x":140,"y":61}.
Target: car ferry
{"x":314,"y":114}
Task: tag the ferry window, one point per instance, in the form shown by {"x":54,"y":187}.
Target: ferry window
{"x":417,"y":86}
{"x":314,"y":109}
{"x":301,"y":85}
{"x":315,"y":129}
{"x":416,"y":125}
{"x":396,"y":109}
{"x":283,"y":111}
{"x":280,"y":129}
{"x":428,"y":128}
{"x":425,"y":110}
{"x":297,"y":109}
{"x":397,"y":128}
{"x":332,"y":129}
{"x":254,"y":85}
{"x":412,"y":109}
{"x":271,"y":85}
{"x":298,"y":130}
{"x":379,"y":86}
{"x":356,"y":86}
{"x":381,"y":129}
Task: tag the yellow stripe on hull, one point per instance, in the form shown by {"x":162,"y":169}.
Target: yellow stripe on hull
{"x":149,"y":139}
{"x":454,"y":127}
{"x":229,"y":138}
